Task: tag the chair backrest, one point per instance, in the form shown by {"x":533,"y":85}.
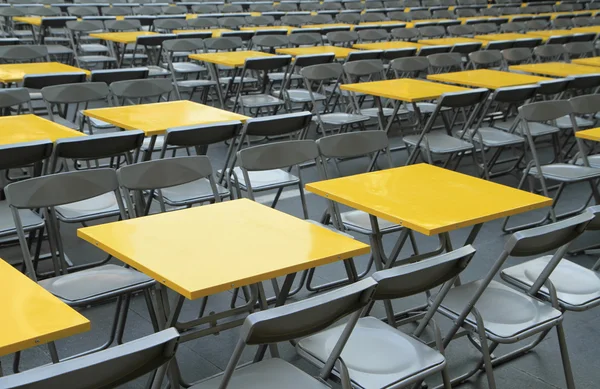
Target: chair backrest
{"x":11,"y":97}
{"x":371,"y":68}
{"x":536,"y":24}
{"x":82,"y":92}
{"x":184,"y":44}
{"x":203,"y":22}
{"x":410,"y":66}
{"x":260,"y":20}
{"x":204,"y":9}
{"x":559,"y":24}
{"x":108,"y":76}
{"x":140,"y":89}
{"x":83,"y":11}
{"x":428,"y":50}
{"x":349,"y":18}
{"x":486,"y":59}
{"x":373,"y":35}
{"x":586,"y":104}
{"x":543,"y":111}
{"x":277,"y":155}
{"x":169,"y":24}
{"x":306,"y":39}
{"x":432,"y":31}
{"x":485,"y":28}
{"x":513,"y":27}
{"x":344,"y":38}
{"x":414,"y":278}
{"x":104,"y":369}
{"x":23,"y":154}
{"x":223,"y":43}
{"x":270,"y":41}
{"x":579,"y":49}
{"x":268,"y":63}
{"x":46,"y":80}
{"x":122,"y":25}
{"x":362,"y":55}
{"x":353,"y":144}
{"x":85,"y":25}
{"x":24,"y":53}
{"x":174,"y":10}
{"x":515,"y":94}
{"x":462,"y":30}
{"x":445,"y":62}
{"x":406,"y":34}
{"x":549,"y":52}
{"x":463,"y":99}
{"x":517,"y":55}
{"x":201,"y":135}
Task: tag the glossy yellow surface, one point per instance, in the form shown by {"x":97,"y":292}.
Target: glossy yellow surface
{"x":31,"y":316}
{"x":485,"y":78}
{"x":340,"y":52}
{"x":412,"y":23}
{"x":156,"y":118}
{"x":16,"y":72}
{"x":33,"y":20}
{"x":263,"y":28}
{"x":210,"y":249}
{"x":327,"y":25}
{"x":122,"y":37}
{"x":383,"y":23}
{"x":556,"y":69}
{"x":216,"y":32}
{"x":592,"y":61}
{"x":591,"y":134}
{"x":549,"y":33}
{"x":582,"y":30}
{"x":31,"y":128}
{"x":502,"y":37}
{"x":387,"y":45}
{"x":403,"y":89}
{"x":450,"y":41}
{"x":428,"y":199}
{"x":232,"y":58}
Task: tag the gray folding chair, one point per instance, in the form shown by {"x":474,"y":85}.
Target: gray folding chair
{"x":440,"y":142}
{"x":550,"y":53}
{"x":24,"y":53}
{"x":580,"y":49}
{"x":445,"y":62}
{"x":287,"y":323}
{"x":297,"y":95}
{"x":463,"y":30}
{"x":315,"y":77}
{"x":85,"y":287}
{"x":190,"y":178}
{"x":373,"y":35}
{"x":498,"y":314}
{"x":15,"y":100}
{"x":562,"y":173}
{"x":377,"y":354}
{"x":106,"y":369}
{"x":88,"y":54}
{"x":517,"y":56}
{"x":486,"y":59}
{"x":485,"y":28}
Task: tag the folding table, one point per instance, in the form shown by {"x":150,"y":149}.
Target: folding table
{"x":407,"y":90}
{"x":591,"y":134}
{"x":216,"y":32}
{"x":120,"y":38}
{"x":10,"y":73}
{"x":234,"y":59}
{"x":330,"y":25}
{"x":154,"y":119}
{"x":31,"y":128}
{"x":389,"y":45}
{"x":451,"y":41}
{"x":413,"y":23}
{"x":486,"y":78}
{"x":588,"y":29}
{"x":545,"y":34}
{"x":592,"y":61}
{"x":555,"y":69}
{"x":339,"y":52}
{"x":509,"y":36}
{"x":201,"y":251}
{"x":32,"y":316}
{"x":265,"y":28}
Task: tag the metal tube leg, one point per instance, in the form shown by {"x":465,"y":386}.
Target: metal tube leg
{"x":485,"y":351}
{"x":564,"y":355}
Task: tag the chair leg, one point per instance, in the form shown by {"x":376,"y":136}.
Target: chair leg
{"x":485,"y":351}
{"x":564,"y":355}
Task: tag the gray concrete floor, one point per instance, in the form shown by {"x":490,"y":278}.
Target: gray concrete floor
{"x":540,"y":369}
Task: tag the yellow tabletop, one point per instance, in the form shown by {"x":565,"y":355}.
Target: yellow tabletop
{"x":16,"y":72}
{"x":589,"y":29}
{"x":264,"y":28}
{"x":593,"y":61}
{"x":556,"y":69}
{"x":403,"y":89}
{"x":31,"y":315}
{"x":451,"y":41}
{"x":156,"y":118}
{"x":591,"y":134}
{"x":545,"y":34}
{"x":340,"y":52}
{"x":464,"y":20}
{"x":31,"y":128}
{"x":509,"y":36}
{"x":33,"y":20}
{"x":485,"y":78}
{"x":330,"y":25}
{"x":382,"y":23}
{"x":232,"y":58}
{"x":268,"y":244}
{"x":428,"y":199}
{"x":387,"y":45}
{"x":122,"y":37}
{"x":412,"y":23}
{"x":216,"y":32}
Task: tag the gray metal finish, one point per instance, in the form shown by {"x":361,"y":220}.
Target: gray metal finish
{"x":486,"y":59}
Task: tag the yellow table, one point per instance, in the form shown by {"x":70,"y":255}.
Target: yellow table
{"x":120,"y":38}
{"x":330,"y":25}
{"x":387,"y":45}
{"x":414,"y":22}
{"x":545,"y":34}
{"x":31,"y":315}
{"x":31,"y":128}
{"x":403,"y":89}
{"x":451,"y":41}
{"x":265,"y":28}
{"x":428,"y":199}
{"x":231,"y":58}
{"x":584,"y":30}
{"x":33,"y":20}
{"x":154,"y":119}
{"x":10,"y":73}
{"x":339,"y":52}
{"x":509,"y":36}
{"x":216,"y":32}
{"x":485,"y":78}
{"x":268,"y":244}
{"x":593,"y":61}
{"x":591,"y":134}
{"x":556,"y":69}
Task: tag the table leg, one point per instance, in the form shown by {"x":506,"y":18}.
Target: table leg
{"x":383,"y":127}
{"x":413,"y":155}
{"x":214,"y":75}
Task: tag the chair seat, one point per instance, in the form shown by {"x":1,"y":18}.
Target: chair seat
{"x":29,"y":219}
{"x":594,"y":160}
{"x":93,"y":48}
{"x":564,"y":172}
{"x":577,"y":287}
{"x":440,"y":143}
{"x":387,"y":112}
{"x":98,"y":283}
{"x":95,"y":58}
{"x":303,"y":96}
{"x":536,"y":129}
{"x":506,"y":312}
{"x":492,"y":137}
{"x":359,"y":221}
{"x":195,"y":83}
{"x":565,"y":122}
{"x":260,"y":100}
{"x":58,"y":50}
{"x":236,"y":80}
{"x":188,"y":67}
{"x":191,"y":192}
{"x":262,"y":180}
{"x":425,"y":108}
{"x":97,"y":207}
{"x":278,"y":76}
{"x":377,"y":355}
{"x":340,"y":118}
{"x":157,"y":71}
{"x":273,"y":373}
